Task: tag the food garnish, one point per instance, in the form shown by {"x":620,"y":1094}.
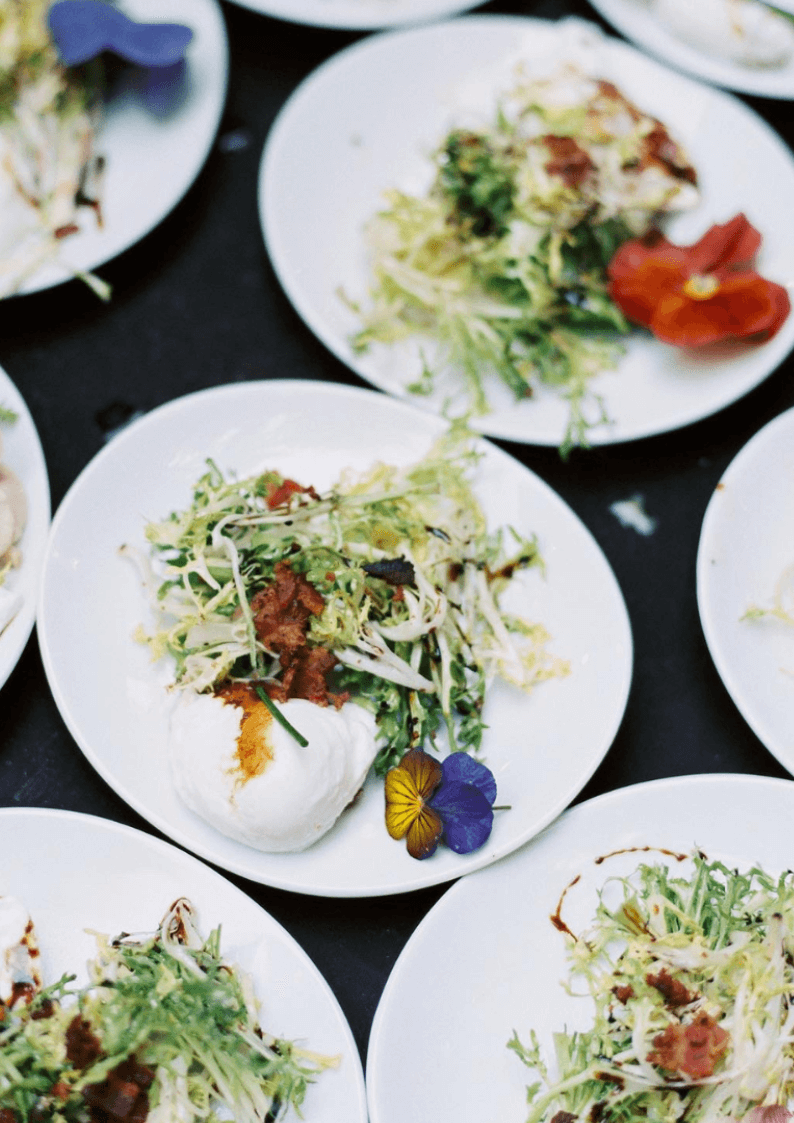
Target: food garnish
{"x":694,"y":295}
{"x":502,"y":264}
{"x":381,"y":594}
{"x":83,"y":29}
{"x":692,"y":980}
{"x":164,"y":1030}
{"x":429,"y":800}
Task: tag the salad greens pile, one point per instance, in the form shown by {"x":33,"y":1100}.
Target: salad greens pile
{"x":409,"y":576}
{"x":692,"y":980}
{"x":165,"y":1030}
{"x":502,"y":264}
{"x":48,"y":117}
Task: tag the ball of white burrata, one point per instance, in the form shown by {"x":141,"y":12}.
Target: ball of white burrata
{"x":241,"y":771}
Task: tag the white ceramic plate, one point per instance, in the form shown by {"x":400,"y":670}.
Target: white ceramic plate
{"x":358,"y":14}
{"x":746,"y":543}
{"x":21,"y":452}
{"x":633,"y":19}
{"x":542,"y":747}
{"x":486,"y":961}
{"x":151,"y":159}
{"x":370,"y":117}
{"x":76,"y":872}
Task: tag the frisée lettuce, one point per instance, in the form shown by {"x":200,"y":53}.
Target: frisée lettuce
{"x":404,"y":577}
{"x":500,"y":268}
{"x":692,"y":983}
{"x":165,"y":1030}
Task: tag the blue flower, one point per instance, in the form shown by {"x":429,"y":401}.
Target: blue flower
{"x":464,"y":802}
{"x":83,"y":29}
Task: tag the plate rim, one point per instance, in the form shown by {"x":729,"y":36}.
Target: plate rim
{"x":424,"y":874}
{"x":311,"y":314}
{"x":350,"y":19}
{"x":468,"y":885}
{"x":667,"y":48}
{"x":703,"y":582}
{"x":20,"y":627}
{"x":177,"y":856}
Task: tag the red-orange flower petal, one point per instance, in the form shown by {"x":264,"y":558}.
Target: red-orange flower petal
{"x":693,"y":295}
{"x":726,"y":246}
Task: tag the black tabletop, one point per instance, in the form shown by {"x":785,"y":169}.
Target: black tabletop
{"x":196,"y":304}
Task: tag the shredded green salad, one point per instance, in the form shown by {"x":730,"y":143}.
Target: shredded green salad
{"x":165,"y":1030}
{"x":409,"y":575}
{"x":502,"y":264}
{"x":692,"y":982}
{"x":48,"y":118}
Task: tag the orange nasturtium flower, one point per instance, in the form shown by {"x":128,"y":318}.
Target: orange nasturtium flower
{"x":409,"y":788}
{"x":693,"y":295}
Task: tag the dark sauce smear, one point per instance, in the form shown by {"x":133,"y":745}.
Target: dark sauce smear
{"x":556,"y":916}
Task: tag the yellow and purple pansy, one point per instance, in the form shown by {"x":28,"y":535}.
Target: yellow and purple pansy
{"x":428,"y":801}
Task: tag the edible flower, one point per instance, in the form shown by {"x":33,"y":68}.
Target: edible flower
{"x":693,"y":295}
{"x":428,"y":800}
{"x":83,"y":29}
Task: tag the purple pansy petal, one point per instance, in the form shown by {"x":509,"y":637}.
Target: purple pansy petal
{"x":466,"y":770}
{"x":83,"y":29}
{"x":466,"y":814}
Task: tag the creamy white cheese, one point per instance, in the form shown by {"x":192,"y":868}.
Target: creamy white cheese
{"x":18,"y":950}
{"x":745,"y":31}
{"x":266,"y":790}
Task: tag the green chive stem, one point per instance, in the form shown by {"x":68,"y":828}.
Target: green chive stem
{"x":277,"y":714}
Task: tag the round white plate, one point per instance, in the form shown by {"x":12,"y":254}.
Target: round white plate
{"x":542,"y":747}
{"x":368,"y":120}
{"x":76,"y":872}
{"x":746,"y":543}
{"x":360,"y":15}
{"x":486,"y":961}
{"x":21,"y":452}
{"x":151,"y":159}
{"x":633,"y":19}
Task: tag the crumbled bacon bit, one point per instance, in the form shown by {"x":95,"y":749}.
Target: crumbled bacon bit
{"x":659,"y":148}
{"x":568,"y":160}
{"x":281,"y":618}
{"x":672,"y":990}
{"x":277,"y":495}
{"x":623,"y":993}
{"x":122,"y":1096}
{"x":564,"y":1117}
{"x":82,"y":1045}
{"x":692,"y":1050}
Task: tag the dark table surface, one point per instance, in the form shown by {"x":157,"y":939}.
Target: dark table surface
{"x":196,"y":304}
